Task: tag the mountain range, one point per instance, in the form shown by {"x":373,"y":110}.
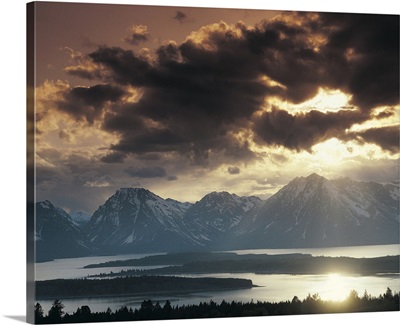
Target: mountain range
{"x":308,"y":212}
{"x":57,"y":235}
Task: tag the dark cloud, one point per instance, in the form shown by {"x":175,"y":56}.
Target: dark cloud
{"x":172,"y":178}
{"x":180,"y":16}
{"x":302,"y":131}
{"x":385,"y":114}
{"x":168,"y":54}
{"x":125,"y":66}
{"x":146,"y":172}
{"x":233,"y":170}
{"x":285,"y":55}
{"x":87,"y":103}
{"x":149,"y":156}
{"x":385,"y":137}
{"x":365,"y":51}
{"x":149,"y":140}
{"x":113,"y":158}
{"x":357,"y":53}
{"x":201,"y":95}
{"x":195,"y":106}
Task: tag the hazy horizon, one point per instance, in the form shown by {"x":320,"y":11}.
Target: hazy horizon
{"x":262,"y":197}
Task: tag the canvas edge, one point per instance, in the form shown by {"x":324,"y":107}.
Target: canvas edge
{"x":30,"y":165}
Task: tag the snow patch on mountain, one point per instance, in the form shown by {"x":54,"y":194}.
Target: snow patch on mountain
{"x":394,"y":190}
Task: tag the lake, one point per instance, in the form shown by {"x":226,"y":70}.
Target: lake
{"x":274,"y":287}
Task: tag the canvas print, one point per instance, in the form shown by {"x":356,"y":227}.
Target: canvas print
{"x":203,"y":162}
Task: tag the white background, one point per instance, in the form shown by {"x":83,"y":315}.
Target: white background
{"x":13,"y":148}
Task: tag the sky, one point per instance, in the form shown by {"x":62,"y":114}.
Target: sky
{"x":186,"y":101}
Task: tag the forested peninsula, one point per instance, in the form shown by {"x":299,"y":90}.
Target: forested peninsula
{"x":253,"y":263}
{"x":72,"y":288}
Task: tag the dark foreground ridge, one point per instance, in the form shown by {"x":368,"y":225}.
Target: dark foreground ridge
{"x":149,"y":310}
{"x":72,"y":288}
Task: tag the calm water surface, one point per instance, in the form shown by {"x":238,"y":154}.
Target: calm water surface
{"x":71,"y":268}
{"x":275,"y":287}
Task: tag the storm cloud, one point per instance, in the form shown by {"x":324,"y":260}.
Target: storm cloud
{"x":302,"y":131}
{"x":200,"y":96}
{"x":365,"y":54}
{"x":385,"y":137}
{"x":86,"y":103}
{"x":113,"y":158}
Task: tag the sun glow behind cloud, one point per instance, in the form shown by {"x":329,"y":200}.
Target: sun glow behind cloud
{"x":392,"y":119}
{"x":334,"y":152}
{"x":326,"y":100}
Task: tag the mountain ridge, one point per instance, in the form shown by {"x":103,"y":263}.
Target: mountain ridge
{"x":309,"y":211}
{"x":313,"y":211}
{"x":57,"y":235}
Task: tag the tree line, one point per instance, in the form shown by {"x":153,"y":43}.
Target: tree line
{"x":149,"y":310}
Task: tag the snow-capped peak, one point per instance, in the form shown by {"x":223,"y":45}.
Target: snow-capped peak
{"x":46,"y":204}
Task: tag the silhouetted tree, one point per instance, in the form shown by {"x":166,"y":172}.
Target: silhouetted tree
{"x":296,"y":305}
{"x":167,"y":309}
{"x":353,"y":296}
{"x":146,"y":309}
{"x":124,"y":313}
{"x":295,"y":300}
{"x":388,"y":294}
{"x":366,"y":296}
{"x":147,"y":305}
{"x":56,"y":311}
{"x":83,"y":314}
{"x":38,"y":313}
{"x":167,"y":306}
